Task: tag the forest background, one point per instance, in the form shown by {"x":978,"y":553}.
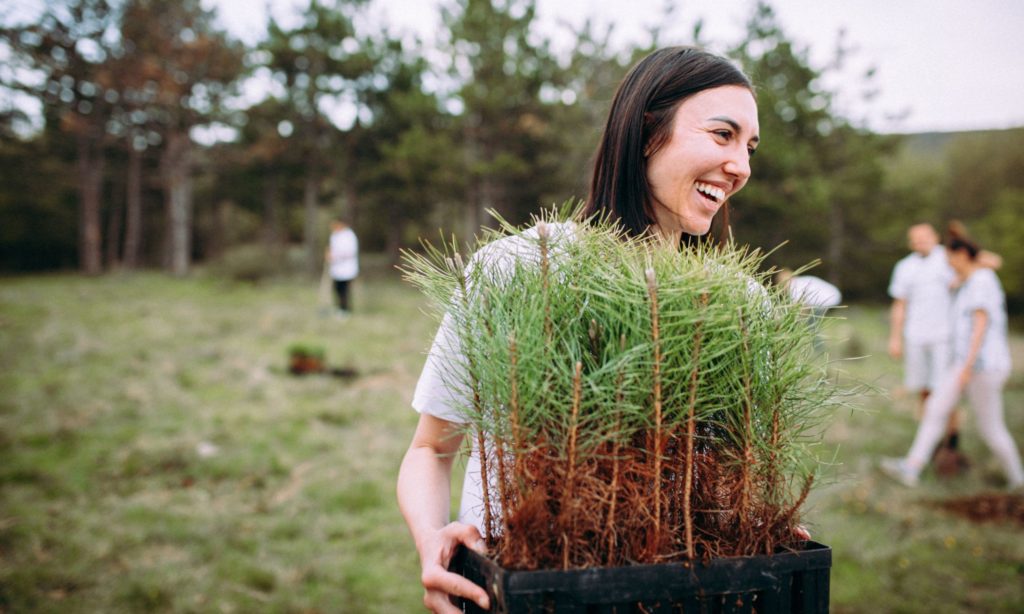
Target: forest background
{"x":148,"y":156}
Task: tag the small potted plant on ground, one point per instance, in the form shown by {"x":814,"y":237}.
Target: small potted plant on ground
{"x":643,"y":418}
{"x":304,"y":358}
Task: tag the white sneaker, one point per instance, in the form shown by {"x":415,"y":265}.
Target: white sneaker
{"x":897,"y":469}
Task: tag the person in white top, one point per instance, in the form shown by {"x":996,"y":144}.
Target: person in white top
{"x":342,"y":258}
{"x":816,"y":294}
{"x":921,"y":290}
{"x":677,"y":145}
{"x":981,"y":366}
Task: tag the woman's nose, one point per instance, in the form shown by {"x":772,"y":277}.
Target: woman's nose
{"x":738,"y":164}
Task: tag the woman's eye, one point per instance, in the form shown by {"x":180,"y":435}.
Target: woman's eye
{"x":751,"y":151}
{"x":725,"y":134}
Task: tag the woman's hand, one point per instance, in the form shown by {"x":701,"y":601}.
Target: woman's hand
{"x":424,"y":488}
{"x":435,"y":555}
{"x":965,"y":377}
{"x":896,"y":347}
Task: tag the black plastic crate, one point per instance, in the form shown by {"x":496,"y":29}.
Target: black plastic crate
{"x":783,"y":582}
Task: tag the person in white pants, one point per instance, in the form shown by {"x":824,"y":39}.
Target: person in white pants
{"x":920,"y":329}
{"x":981,"y":366}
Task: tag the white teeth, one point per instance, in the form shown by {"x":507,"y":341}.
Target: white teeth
{"x":716,"y":193}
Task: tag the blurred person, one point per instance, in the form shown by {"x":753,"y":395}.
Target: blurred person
{"x":816,"y":294}
{"x":980,"y":368}
{"x":920,"y":329}
{"x":342,"y":259}
{"x":813,"y":292}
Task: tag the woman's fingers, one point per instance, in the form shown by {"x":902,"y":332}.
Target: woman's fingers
{"x":466,"y":534}
{"x":802,"y":532}
{"x":438,"y":580}
{"x":439,"y":603}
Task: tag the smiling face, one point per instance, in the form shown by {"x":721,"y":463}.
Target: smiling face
{"x":705,"y":160}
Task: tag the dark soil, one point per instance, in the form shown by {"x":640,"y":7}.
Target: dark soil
{"x":990,"y":507}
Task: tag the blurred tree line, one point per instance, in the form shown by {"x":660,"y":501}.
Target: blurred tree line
{"x":403,"y":139}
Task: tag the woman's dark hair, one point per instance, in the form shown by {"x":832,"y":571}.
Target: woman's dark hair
{"x":640,"y":123}
{"x":958,"y":240}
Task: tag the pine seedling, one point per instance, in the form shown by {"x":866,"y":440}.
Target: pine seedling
{"x":630,"y":401}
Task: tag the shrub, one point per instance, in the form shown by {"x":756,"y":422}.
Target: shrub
{"x":249,"y":263}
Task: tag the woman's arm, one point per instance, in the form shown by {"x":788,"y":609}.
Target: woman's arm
{"x":979,"y":322}
{"x":424,"y":492}
{"x":990,"y":260}
{"x":897,"y":314}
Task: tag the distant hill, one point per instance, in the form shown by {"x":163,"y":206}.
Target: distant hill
{"x":932,"y":146}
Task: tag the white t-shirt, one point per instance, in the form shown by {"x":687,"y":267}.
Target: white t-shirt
{"x":923,"y":282}
{"x":344,"y":255}
{"x":983,"y":291}
{"x":438,"y":391}
{"x":813,"y":291}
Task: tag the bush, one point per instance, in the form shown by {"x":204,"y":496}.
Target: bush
{"x":249,"y":263}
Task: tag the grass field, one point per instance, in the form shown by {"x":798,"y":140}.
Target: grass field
{"x":156,"y":456}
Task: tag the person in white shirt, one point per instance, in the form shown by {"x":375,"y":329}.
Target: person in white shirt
{"x":980,"y":368}
{"x":816,"y":294}
{"x":342,"y":258}
{"x":919,"y":317}
{"x":677,"y":145}
{"x":921,"y":291}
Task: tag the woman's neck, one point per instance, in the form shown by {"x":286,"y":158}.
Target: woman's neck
{"x":669,"y":236}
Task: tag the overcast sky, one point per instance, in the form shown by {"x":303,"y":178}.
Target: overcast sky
{"x":941,"y":64}
{"x":950,"y":64}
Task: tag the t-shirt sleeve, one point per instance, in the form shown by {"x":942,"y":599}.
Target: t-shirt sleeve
{"x":439,"y":391}
{"x":442,"y":390}
{"x":984,"y":294}
{"x":898,"y":284}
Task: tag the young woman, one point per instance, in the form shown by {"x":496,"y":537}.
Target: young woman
{"x":981,"y":365}
{"x":677,"y":145}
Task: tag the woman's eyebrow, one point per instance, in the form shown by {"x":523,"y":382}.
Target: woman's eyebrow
{"x":734,"y":125}
{"x":726,"y":120}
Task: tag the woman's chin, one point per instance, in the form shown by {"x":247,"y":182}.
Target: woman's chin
{"x":698,"y":229}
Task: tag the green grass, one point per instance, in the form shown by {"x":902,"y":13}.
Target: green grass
{"x":113,"y":392}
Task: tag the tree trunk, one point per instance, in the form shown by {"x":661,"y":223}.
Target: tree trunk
{"x":272,"y":211}
{"x":487,"y":192}
{"x":835,"y":244}
{"x":133,"y":206}
{"x":90,"y":188}
{"x":394,"y":239}
{"x":472,"y":218}
{"x":217,"y":243}
{"x":351,"y":212}
{"x":114,"y":234}
{"x":312,"y":230}
{"x":175,"y":170}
